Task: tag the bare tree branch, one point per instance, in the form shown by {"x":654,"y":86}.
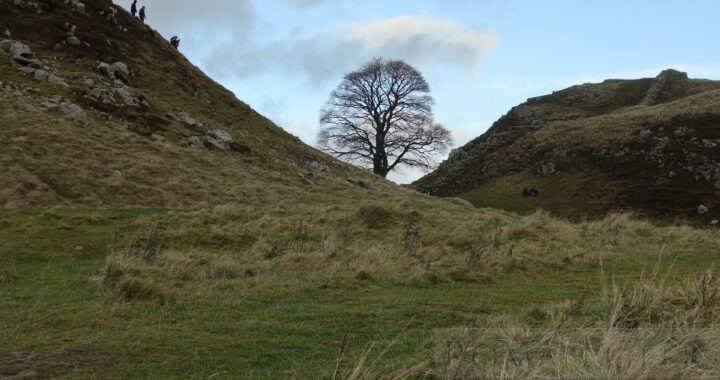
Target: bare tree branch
{"x":380,"y":118}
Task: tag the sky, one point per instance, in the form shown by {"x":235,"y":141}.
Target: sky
{"x":480,"y":57}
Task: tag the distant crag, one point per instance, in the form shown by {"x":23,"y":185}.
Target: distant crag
{"x":648,"y":145}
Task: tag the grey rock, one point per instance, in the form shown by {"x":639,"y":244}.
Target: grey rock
{"x":645,"y":133}
{"x":183,"y":117}
{"x":121,"y":71}
{"x":15,"y":49}
{"x":460,"y":202}
{"x":195,"y":142}
{"x":115,"y":71}
{"x":88,"y":82}
{"x":709,"y":143}
{"x":27,"y":70}
{"x":7,"y":34}
{"x":157,"y":138}
{"x":104,"y":69}
{"x":319,"y":167}
{"x":65,"y":108}
{"x":74,"y":41}
{"x":210,"y":161}
{"x":117,"y":173}
{"x":222,"y":136}
{"x":126,"y":94}
{"x":103,"y":95}
{"x":702,"y":209}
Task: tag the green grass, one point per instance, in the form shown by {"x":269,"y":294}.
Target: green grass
{"x":558,"y":195}
{"x":58,"y":310}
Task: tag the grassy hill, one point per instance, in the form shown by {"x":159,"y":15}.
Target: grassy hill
{"x":130,"y":250}
{"x":647,"y":145}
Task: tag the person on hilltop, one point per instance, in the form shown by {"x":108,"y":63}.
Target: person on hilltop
{"x":175,"y":41}
{"x":142,"y":14}
{"x":133,"y":8}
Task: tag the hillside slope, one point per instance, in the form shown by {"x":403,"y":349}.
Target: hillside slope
{"x":98,"y":109}
{"x":649,"y":145}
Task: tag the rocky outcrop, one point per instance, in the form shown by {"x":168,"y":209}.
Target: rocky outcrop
{"x":63,"y":107}
{"x":654,"y":159}
{"x":660,"y":86}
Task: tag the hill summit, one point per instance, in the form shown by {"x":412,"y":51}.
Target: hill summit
{"x":650,"y":145}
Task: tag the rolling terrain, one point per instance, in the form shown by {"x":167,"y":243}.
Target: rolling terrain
{"x":154,"y":226}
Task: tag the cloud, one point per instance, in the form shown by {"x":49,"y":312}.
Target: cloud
{"x":425,"y":41}
{"x":302,"y":4}
{"x":421,"y":41}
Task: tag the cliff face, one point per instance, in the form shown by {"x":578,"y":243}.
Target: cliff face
{"x":649,"y":145}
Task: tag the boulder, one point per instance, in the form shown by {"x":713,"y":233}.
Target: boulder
{"x":63,"y":107}
{"x":702,"y":209}
{"x":15,"y":49}
{"x":74,"y":41}
{"x":222,"y":136}
{"x":73,"y":111}
{"x":121,"y":71}
{"x":117,"y":70}
{"x":195,"y":142}
{"x":117,"y":173}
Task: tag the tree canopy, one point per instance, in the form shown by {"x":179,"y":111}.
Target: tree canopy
{"x":380,"y":118}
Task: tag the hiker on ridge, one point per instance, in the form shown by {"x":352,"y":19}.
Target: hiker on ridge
{"x":142,"y":14}
{"x":133,"y":8}
{"x":175,"y":41}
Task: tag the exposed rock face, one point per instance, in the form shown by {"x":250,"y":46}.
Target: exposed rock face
{"x":648,"y":144}
{"x":660,"y":86}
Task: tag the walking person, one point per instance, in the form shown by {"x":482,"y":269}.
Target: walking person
{"x":142,"y":14}
{"x":133,"y":8}
{"x":175,"y":41}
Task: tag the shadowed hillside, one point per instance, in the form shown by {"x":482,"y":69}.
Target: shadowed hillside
{"x":648,"y":145}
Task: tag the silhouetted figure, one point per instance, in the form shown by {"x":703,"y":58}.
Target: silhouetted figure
{"x":142,"y":14}
{"x":175,"y":41}
{"x":133,"y":8}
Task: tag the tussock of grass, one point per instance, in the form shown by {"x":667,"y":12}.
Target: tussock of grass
{"x":649,"y":330}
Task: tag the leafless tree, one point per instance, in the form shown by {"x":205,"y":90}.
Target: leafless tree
{"x":380,"y":117}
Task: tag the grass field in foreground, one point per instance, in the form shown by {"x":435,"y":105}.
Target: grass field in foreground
{"x":59,"y":317}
